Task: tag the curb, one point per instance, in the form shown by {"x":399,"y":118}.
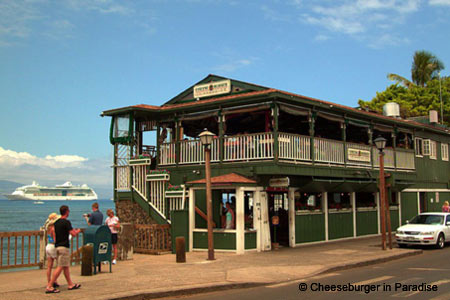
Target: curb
{"x":223,"y":287}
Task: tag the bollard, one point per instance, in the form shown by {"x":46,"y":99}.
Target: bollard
{"x":86,"y":260}
{"x":180,"y":249}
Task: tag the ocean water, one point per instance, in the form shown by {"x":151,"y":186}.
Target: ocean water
{"x":25,"y":215}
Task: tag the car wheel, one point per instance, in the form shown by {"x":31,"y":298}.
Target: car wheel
{"x":440,"y":241}
{"x":401,"y":245}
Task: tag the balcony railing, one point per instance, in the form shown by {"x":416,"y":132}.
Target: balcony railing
{"x":291,"y":148}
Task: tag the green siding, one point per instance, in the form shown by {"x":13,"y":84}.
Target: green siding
{"x":340,"y":225}
{"x":309,"y":228}
{"x":394,"y":219}
{"x":250,"y":240}
{"x":180,"y":227}
{"x":200,"y":202}
{"x":366,"y":222}
{"x":222,"y":240}
{"x":409,"y":206}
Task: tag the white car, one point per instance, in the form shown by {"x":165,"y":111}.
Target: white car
{"x":425,"y":229}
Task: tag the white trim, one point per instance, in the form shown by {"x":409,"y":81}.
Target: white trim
{"x":399,"y":198}
{"x":191,"y":217}
{"x":292,"y":214}
{"x":425,"y":190}
{"x":353,"y":202}
{"x":325,"y":210}
{"x":418,"y":202}
{"x":239,"y":221}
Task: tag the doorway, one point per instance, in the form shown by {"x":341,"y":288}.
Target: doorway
{"x":278,"y":205}
{"x":422,"y":202}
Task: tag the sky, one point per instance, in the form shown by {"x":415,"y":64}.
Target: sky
{"x":63,"y":62}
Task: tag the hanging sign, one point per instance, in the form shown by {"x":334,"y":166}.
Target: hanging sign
{"x":358,"y":154}
{"x":279,"y":182}
{"x":212,"y":88}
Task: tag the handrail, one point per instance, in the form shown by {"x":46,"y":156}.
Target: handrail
{"x":17,"y":240}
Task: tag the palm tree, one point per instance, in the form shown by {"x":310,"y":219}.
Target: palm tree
{"x":400,"y":79}
{"x":425,"y":67}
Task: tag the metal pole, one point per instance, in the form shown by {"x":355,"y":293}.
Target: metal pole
{"x":209,"y":202}
{"x":440,"y":98}
{"x":382,"y":202}
{"x":389,"y":222}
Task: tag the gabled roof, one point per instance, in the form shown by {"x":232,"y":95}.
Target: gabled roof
{"x":237,"y":87}
{"x":227,"y":179}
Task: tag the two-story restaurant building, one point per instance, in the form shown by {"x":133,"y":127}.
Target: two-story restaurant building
{"x":310,"y":162}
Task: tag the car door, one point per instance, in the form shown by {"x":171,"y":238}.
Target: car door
{"x":447,"y":228}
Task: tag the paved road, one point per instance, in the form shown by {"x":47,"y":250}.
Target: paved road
{"x":387,"y":280}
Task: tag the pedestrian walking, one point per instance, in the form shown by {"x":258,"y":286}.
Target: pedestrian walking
{"x":63,"y":228}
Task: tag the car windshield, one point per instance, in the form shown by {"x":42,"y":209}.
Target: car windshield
{"x":427,"y":219}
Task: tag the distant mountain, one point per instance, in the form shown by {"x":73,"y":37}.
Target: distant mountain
{"x":7,"y":187}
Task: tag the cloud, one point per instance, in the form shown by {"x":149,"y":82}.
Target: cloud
{"x":440,"y":2}
{"x":101,"y":6}
{"x":14,"y":159}
{"x":25,"y":167}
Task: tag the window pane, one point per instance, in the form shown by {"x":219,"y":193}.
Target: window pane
{"x":121,"y":126}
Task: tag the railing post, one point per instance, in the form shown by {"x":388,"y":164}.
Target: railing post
{"x":344,"y":139}
{"x":177,"y":141}
{"x":221,"y":133}
{"x":275,"y":132}
{"x":311,"y":136}
{"x":42,"y":258}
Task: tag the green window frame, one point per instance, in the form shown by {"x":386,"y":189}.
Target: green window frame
{"x":121,"y":129}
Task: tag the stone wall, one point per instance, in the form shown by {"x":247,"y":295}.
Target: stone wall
{"x":131,"y":212}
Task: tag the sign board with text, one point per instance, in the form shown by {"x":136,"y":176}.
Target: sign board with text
{"x":212,"y":89}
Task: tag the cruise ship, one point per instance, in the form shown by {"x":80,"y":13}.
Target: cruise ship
{"x":65,"y":191}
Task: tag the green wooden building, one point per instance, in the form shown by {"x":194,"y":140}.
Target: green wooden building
{"x":310,"y":163}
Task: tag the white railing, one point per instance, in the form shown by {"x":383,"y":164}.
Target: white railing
{"x":157,"y":196}
{"x":328,"y":151}
{"x":248,"y":147}
{"x":294,"y":147}
{"x":358,"y":154}
{"x":193,"y":151}
{"x":122,"y":178}
{"x":389,"y":161}
{"x":167,"y":154}
{"x":139,"y":175}
{"x":405,"y":159}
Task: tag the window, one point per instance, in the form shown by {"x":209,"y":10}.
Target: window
{"x":307,"y":201}
{"x":366,"y":200}
{"x":339,"y":201}
{"x":419,"y":146}
{"x":433,"y":148}
{"x":426,"y":147}
{"x":444,"y":151}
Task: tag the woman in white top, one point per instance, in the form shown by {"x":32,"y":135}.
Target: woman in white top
{"x":113,"y":223}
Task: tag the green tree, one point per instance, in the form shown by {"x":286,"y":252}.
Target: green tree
{"x":414,"y":101}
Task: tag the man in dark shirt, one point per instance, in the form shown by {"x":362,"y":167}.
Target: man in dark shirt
{"x":96,"y":218}
{"x":63,"y":228}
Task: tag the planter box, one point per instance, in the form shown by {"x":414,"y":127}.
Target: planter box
{"x":140,"y":161}
{"x":174,"y":194}
{"x":158,"y":177}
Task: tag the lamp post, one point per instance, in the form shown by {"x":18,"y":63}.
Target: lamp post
{"x":206,"y":138}
{"x":380,"y":143}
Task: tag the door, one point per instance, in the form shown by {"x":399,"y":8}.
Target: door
{"x":422,"y":202}
{"x":279,"y":217}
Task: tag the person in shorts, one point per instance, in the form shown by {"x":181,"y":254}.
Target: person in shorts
{"x":50,"y":249}
{"x":113,"y":223}
{"x":63,"y":228}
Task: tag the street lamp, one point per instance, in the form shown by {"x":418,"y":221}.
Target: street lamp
{"x":380,"y":143}
{"x":206,"y":138}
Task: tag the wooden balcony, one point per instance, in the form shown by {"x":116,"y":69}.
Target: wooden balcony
{"x":292,"y":148}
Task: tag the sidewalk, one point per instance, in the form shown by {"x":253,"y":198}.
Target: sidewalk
{"x":161,"y":275}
